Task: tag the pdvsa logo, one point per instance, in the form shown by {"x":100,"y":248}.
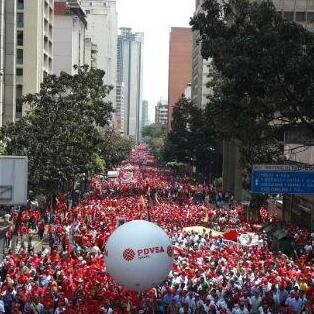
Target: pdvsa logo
{"x":130,"y":254}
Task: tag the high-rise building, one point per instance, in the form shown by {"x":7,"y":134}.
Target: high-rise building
{"x":144,"y":115}
{"x":90,"y":53}
{"x":120,"y":107}
{"x":34,"y":54}
{"x":7,"y":61}
{"x":161,"y":112}
{"x":102,"y":29}
{"x":201,"y":69}
{"x":130,"y":73}
{"x":69,"y":36}
{"x":180,"y":66}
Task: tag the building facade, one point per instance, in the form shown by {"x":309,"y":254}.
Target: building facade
{"x":130,"y":49}
{"x":144,"y":115}
{"x":102,"y":29}
{"x":299,"y":143}
{"x":201,"y":69}
{"x":34,"y":52}
{"x":120,"y":106}
{"x":180,"y":66}
{"x":91,"y":53}
{"x":161,"y":113}
{"x":69,"y":37}
{"x":7,"y":61}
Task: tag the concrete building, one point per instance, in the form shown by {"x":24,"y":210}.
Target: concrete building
{"x":34,"y":51}
{"x":130,"y":73}
{"x":300,"y":11}
{"x":120,"y":106}
{"x":7,"y":61}
{"x":144,"y":115}
{"x":201,"y":69}
{"x":91,"y":53}
{"x":299,"y":150}
{"x":299,"y":144}
{"x":161,"y":112}
{"x":102,"y":29}
{"x":180,"y":66}
{"x":69,"y":36}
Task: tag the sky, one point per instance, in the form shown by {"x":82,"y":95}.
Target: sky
{"x":155,"y":18}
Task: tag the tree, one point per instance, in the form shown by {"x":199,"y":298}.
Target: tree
{"x":154,"y":135}
{"x":265,"y":67}
{"x":115,"y":148}
{"x":153,"y":130}
{"x":191,"y":139}
{"x":60,"y":133}
{"x":264,"y":75}
{"x":2,"y":149}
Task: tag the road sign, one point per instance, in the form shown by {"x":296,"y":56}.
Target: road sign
{"x":282,"y":179}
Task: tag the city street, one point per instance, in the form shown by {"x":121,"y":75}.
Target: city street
{"x":222,"y":263}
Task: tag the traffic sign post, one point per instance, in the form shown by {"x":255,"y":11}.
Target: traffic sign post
{"x":282,"y":179}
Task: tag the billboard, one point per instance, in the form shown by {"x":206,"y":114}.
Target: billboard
{"x":13,"y":180}
{"x":282,"y":179}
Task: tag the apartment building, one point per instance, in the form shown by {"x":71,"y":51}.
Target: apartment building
{"x":34,"y":51}
{"x":69,"y":37}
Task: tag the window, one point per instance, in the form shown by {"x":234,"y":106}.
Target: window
{"x":19,"y":71}
{"x":19,"y":38}
{"x":91,"y":3}
{"x":19,"y":56}
{"x":288,"y":16}
{"x":300,"y":16}
{"x":19,"y":91}
{"x":87,"y":11}
{"x":20,"y":20}
{"x":19,"y":94}
{"x":20,"y":4}
{"x":310,"y":17}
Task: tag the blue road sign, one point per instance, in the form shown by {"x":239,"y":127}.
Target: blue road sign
{"x":282,"y":181}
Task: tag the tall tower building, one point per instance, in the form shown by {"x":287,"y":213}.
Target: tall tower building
{"x":180,"y":66}
{"x":69,"y":36}
{"x":144,"y":119}
{"x":201,"y":69}
{"x":7,"y":61}
{"x":34,"y":52}
{"x":102,"y":29}
{"x":130,"y":75}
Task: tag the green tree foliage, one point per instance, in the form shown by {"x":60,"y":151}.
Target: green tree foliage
{"x":154,"y":135}
{"x":60,"y":133}
{"x":264,"y":79}
{"x":115,"y":148}
{"x":2,"y":149}
{"x":265,"y":68}
{"x":191,"y":139}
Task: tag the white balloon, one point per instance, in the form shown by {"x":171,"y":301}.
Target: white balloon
{"x":139,"y":255}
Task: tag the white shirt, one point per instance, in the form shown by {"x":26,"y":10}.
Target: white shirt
{"x":1,"y":307}
{"x":108,"y":311}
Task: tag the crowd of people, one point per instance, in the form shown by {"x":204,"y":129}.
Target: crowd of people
{"x":67,"y":273}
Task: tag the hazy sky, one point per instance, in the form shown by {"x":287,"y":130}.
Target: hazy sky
{"x":155,"y":18}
